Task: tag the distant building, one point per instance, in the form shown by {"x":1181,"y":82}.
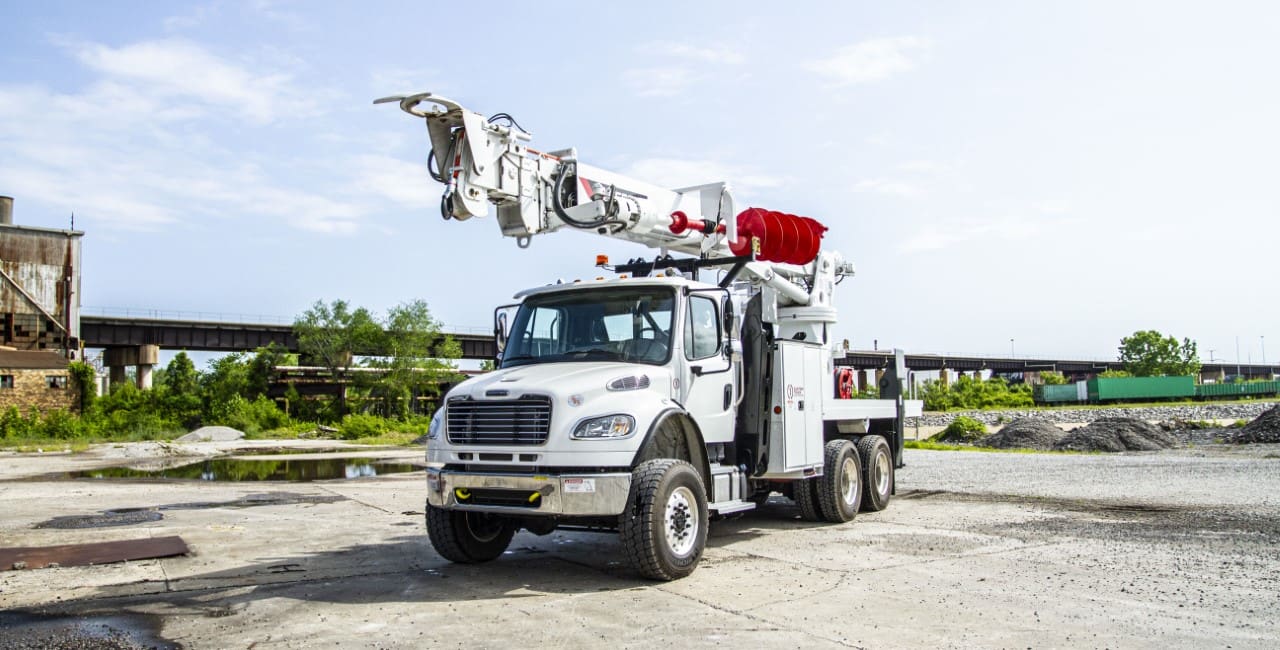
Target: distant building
{"x":39,"y":286}
{"x":36,"y":379}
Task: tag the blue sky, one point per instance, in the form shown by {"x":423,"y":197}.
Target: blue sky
{"x":1061,"y":174}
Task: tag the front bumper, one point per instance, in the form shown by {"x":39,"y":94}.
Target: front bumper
{"x":528,"y":494}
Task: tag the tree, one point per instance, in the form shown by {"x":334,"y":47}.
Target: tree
{"x":181,"y":385}
{"x":1052,"y":378}
{"x":415,"y":356}
{"x":1148,"y":353}
{"x":332,"y":334}
{"x":180,"y":375}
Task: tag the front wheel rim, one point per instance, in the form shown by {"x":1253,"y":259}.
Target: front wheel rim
{"x":680,"y":521}
{"x":483,"y":528}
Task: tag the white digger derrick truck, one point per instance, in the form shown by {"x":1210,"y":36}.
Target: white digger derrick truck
{"x":651,"y":402}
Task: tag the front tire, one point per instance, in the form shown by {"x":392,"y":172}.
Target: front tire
{"x":664,"y":529}
{"x":468,"y":537}
{"x":840,"y":486}
{"x":877,"y":473}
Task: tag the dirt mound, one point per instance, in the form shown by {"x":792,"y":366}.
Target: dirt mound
{"x":1024,"y":433}
{"x":1117,"y":434}
{"x":1264,"y":428}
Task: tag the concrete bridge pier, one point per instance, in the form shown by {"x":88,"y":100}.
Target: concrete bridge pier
{"x":143,"y":357}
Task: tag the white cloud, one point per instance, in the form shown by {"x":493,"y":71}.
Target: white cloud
{"x":1006,"y":229}
{"x":874,"y":60}
{"x":923,"y":167}
{"x":676,"y":172}
{"x":887,"y":186}
{"x":658,"y":81}
{"x":406,"y":81}
{"x":138,"y":149}
{"x":400,"y":181}
{"x":193,"y":18}
{"x":1053,"y":207}
{"x":178,"y":70}
{"x":711,"y":54}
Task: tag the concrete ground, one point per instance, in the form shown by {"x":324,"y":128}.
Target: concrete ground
{"x":1167,"y":549}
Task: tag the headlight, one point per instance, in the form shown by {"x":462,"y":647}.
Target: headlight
{"x":609,"y":426}
{"x":436,"y":426}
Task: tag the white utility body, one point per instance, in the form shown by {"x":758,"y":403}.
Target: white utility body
{"x":649,"y":402}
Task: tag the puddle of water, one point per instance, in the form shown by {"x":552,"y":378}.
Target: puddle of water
{"x":118,"y":517}
{"x":231,"y":469}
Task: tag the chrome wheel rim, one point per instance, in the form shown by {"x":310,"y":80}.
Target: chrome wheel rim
{"x":849,"y":481}
{"x":680,"y":521}
{"x":882,"y":473}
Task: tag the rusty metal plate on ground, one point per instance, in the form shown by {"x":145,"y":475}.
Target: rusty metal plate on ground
{"x":38,"y":557}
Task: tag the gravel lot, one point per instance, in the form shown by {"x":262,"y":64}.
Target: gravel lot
{"x":1175,"y":548}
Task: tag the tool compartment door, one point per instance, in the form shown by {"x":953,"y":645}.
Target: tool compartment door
{"x":796,"y":442}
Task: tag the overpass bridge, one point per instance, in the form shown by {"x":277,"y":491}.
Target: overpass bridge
{"x":132,"y":341}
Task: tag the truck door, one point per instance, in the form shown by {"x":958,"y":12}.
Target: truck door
{"x":708,"y":374}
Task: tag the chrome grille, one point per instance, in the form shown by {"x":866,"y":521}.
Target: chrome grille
{"x":523,"y":421}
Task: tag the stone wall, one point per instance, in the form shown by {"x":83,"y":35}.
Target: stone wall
{"x":30,"y":389}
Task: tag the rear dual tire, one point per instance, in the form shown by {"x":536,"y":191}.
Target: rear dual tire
{"x":877,"y":473}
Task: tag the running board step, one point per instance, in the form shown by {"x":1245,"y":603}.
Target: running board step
{"x":730,"y":507}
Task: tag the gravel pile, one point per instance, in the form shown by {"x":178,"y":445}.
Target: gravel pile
{"x":1233,"y":411}
{"x":1117,"y":434}
{"x":1024,"y":433}
{"x":1266,"y":428}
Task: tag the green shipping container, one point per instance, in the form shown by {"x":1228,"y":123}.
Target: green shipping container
{"x":1047,"y":394}
{"x":1105,"y":389}
{"x":1238,"y":390}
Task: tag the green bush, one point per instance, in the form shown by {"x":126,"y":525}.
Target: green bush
{"x":252,"y":417}
{"x":967,"y":393}
{"x":961,"y":429}
{"x":1052,"y":378}
{"x":359,"y":425}
{"x":85,"y":379}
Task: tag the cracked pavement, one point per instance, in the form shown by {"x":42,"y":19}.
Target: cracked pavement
{"x":977,"y":549}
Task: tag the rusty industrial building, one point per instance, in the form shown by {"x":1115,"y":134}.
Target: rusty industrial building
{"x":39,"y":286}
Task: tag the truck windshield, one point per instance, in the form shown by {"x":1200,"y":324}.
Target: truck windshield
{"x":614,"y":324}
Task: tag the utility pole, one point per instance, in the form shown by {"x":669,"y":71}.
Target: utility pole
{"x":1238,"y":372}
{"x":1011,"y":354}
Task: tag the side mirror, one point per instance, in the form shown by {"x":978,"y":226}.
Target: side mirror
{"x":501,"y":318}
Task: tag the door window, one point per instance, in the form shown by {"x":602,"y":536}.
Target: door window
{"x":701,"y":328}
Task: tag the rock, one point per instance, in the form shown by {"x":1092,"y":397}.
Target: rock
{"x":212,"y":434}
{"x":1024,"y":433}
{"x":1265,"y":428}
{"x":1116,"y":434}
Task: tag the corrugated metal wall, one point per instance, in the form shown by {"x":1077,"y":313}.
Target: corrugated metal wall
{"x":40,"y":297}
